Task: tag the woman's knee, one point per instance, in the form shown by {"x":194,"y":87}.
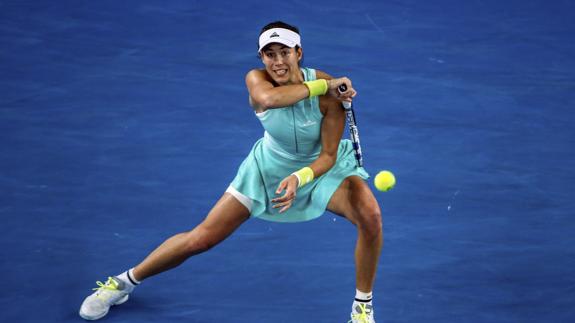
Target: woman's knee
{"x":199,"y":240}
{"x":369,"y":221}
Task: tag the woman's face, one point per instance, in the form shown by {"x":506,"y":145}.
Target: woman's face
{"x":282,"y":63}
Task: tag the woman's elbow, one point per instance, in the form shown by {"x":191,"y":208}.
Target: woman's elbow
{"x":266,"y":101}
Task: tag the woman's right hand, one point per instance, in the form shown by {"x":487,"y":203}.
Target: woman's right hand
{"x":289,"y":185}
{"x":333,"y":90}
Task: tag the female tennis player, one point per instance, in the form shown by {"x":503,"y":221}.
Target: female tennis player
{"x":300,"y":168}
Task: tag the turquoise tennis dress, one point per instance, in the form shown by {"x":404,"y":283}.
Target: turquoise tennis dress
{"x":291,"y":141}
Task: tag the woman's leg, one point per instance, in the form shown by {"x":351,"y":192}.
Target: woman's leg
{"x":355,"y":201}
{"x":224,"y":218}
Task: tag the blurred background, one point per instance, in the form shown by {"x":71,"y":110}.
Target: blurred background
{"x":122,"y":122}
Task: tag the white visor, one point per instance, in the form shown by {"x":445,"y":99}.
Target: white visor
{"x":279,"y":35}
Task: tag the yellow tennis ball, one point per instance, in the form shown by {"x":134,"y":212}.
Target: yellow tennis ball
{"x":384,"y":180}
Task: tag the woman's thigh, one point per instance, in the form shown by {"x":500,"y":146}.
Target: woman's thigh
{"x":226,"y":216}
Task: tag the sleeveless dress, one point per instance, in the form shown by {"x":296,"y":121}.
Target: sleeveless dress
{"x":292,"y":140}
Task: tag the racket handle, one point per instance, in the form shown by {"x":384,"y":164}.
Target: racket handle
{"x":342,"y":88}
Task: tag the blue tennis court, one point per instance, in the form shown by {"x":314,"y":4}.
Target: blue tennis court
{"x":123,"y":122}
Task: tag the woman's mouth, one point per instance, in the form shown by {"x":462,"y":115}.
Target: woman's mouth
{"x":281,"y":72}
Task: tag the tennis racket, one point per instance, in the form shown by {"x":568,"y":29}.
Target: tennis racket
{"x":353,"y":133}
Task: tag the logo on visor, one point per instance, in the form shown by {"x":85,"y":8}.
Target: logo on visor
{"x":274,"y":35}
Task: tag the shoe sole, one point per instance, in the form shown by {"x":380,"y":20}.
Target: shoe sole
{"x":93,"y":318}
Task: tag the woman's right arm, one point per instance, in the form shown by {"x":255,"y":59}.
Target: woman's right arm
{"x":264,"y":95}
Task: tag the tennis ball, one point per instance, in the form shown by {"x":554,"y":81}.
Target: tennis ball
{"x":384,"y":180}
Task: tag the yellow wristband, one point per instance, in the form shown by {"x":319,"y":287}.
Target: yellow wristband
{"x":304,"y":176}
{"x":317,"y":87}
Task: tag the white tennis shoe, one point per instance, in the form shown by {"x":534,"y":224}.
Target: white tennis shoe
{"x":361,"y":313}
{"x":97,"y":305}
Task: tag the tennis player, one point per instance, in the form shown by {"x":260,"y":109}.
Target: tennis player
{"x":300,"y":168}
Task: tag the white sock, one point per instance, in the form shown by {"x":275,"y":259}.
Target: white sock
{"x":128,"y":278}
{"x":363,"y":297}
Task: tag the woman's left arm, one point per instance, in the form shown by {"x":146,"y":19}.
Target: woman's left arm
{"x":332,"y":127}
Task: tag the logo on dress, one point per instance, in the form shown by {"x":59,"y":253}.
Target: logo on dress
{"x":309,"y":123}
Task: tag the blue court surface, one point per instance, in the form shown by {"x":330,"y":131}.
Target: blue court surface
{"x":122,"y":122}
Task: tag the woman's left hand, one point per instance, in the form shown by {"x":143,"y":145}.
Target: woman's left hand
{"x":333,"y":89}
{"x":289,"y":184}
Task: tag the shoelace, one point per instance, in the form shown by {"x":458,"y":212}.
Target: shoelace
{"x":110,"y":284}
{"x":361,"y":317}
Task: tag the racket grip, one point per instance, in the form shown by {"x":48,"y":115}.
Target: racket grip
{"x":342,"y":88}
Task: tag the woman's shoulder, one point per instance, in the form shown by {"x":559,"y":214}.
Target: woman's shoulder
{"x":256,"y":76}
{"x":257,"y":72}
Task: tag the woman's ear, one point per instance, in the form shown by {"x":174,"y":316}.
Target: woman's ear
{"x":299,"y":54}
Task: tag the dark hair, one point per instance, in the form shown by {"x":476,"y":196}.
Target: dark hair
{"x":279,"y":24}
